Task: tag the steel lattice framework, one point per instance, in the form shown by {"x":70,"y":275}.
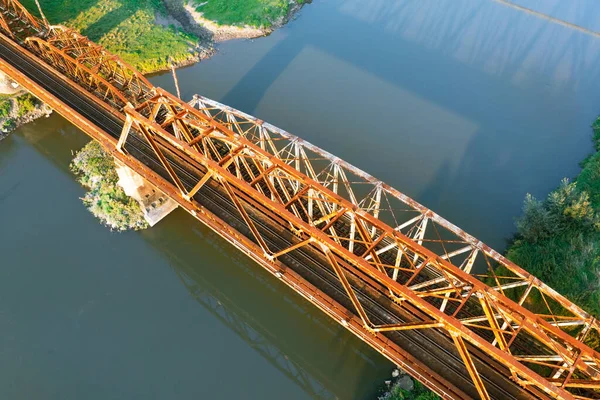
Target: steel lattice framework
{"x":90,"y":65}
{"x":362,"y":229}
{"x":17,"y":22}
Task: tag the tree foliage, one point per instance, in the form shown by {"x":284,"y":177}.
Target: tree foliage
{"x":26,"y":103}
{"x":419,"y":392}
{"x":558,"y":239}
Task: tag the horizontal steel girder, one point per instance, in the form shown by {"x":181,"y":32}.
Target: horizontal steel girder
{"x":358,"y":225}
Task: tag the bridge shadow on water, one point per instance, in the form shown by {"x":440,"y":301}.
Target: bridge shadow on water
{"x":515,"y":86}
{"x":287,"y":331}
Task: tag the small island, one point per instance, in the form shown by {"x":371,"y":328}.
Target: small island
{"x":17,"y":107}
{"x":106,"y":199}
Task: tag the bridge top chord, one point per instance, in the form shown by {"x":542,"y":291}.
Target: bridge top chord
{"x":359,"y":225}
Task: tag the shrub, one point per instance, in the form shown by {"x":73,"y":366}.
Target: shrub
{"x":25,"y":104}
{"x":106,"y":199}
{"x":5,"y":107}
{"x":558,"y":239}
{"x":419,"y":392}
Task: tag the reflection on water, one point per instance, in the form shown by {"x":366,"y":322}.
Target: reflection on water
{"x":465,"y":105}
{"x":279,"y":325}
{"x":502,"y":39}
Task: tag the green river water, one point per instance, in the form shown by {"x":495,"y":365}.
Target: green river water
{"x":465,"y":105}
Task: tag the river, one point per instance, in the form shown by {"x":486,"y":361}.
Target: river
{"x":465,"y":105}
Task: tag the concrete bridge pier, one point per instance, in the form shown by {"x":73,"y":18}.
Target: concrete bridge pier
{"x":154,"y":203}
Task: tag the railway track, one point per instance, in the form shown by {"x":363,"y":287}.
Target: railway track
{"x":435,"y":348}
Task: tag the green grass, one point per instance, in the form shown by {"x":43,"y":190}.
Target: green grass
{"x":258,"y":13}
{"x":124,"y":27}
{"x":128,"y":28}
{"x":558,"y":238}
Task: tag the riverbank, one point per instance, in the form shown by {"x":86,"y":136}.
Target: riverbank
{"x":141,"y":32}
{"x":222,"y":20}
{"x":558,"y":238}
{"x":151,"y":35}
{"x":18,"y":109}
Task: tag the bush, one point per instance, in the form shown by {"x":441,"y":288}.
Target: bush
{"x":5,"y":107}
{"x":26,"y":104}
{"x":106,"y":199}
{"x":558,"y":239}
{"x":419,"y":392}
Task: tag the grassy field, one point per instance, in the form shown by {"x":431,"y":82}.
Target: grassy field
{"x":129,"y":29}
{"x":258,"y":13}
{"x":559,"y":238}
{"x":125,"y":27}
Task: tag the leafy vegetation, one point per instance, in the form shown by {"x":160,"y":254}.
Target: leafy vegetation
{"x":558,"y":239}
{"x":124,"y":27}
{"x":25,"y":104}
{"x":105,"y":199}
{"x":14,"y":107}
{"x":5,"y":106}
{"x":419,"y":392}
{"x":258,"y":13}
{"x":6,"y":122}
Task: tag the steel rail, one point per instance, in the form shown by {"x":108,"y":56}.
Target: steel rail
{"x":418,"y":269}
{"x":190,"y":181}
{"x":265,"y":134}
{"x":450,"y":323}
{"x":319,"y":299}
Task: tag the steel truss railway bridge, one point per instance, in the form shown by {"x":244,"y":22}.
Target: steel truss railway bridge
{"x":391,"y":271}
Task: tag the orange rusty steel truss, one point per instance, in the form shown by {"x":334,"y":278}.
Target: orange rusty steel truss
{"x":361,"y":227}
{"x":91,"y":66}
{"x":17,"y":22}
{"x":325,"y":212}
